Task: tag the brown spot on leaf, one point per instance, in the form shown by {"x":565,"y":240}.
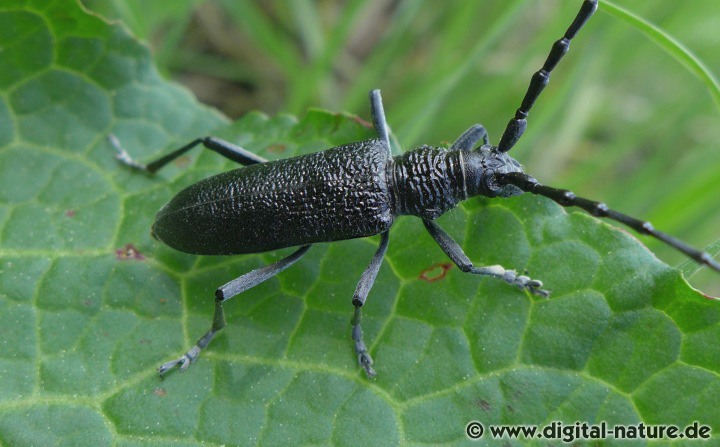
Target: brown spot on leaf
{"x":435,"y":272}
{"x":161,"y":392}
{"x":70,"y":213}
{"x":129,"y":252}
{"x":182,"y":161}
{"x":482,"y":403}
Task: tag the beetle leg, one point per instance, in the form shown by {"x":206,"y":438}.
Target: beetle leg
{"x":378,"y":116}
{"x":456,"y":255}
{"x":224,"y":293}
{"x":222,"y":147}
{"x":467,"y":140}
{"x":361,"y":292}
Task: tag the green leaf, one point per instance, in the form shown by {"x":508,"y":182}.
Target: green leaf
{"x":90,"y":304}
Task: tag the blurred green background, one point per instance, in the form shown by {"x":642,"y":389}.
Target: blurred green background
{"x":622,"y":121}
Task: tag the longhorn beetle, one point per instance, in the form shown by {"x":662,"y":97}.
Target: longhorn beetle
{"x":357,"y":190}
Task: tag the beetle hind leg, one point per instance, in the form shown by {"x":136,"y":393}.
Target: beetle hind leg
{"x":224,"y":293}
{"x":361,"y":292}
{"x":189,"y":357}
{"x":222,"y":147}
{"x":361,"y":350}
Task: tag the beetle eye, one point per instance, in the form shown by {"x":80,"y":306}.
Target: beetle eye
{"x":490,"y":183}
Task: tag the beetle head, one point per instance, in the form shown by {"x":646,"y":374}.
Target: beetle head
{"x":481,"y":166}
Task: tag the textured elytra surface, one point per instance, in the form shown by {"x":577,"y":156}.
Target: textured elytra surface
{"x":335,"y":194}
{"x":90,"y":304}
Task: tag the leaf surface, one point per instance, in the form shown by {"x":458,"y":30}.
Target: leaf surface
{"x":90,"y":304}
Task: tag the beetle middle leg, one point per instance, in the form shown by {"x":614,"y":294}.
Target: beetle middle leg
{"x":378,"y":116}
{"x":224,"y":293}
{"x":361,"y":292}
{"x":456,"y":255}
{"x":222,"y":147}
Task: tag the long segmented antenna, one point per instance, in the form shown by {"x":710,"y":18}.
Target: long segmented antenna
{"x":516,"y":127}
{"x":599,"y":209}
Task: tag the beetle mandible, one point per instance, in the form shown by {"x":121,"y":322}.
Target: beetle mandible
{"x":358,"y":190}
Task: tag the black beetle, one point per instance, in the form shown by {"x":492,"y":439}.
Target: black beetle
{"x":357,"y":190}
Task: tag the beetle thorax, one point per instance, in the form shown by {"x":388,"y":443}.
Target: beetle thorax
{"x":428,"y":181}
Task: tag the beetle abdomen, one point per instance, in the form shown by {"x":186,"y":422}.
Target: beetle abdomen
{"x":339,"y":193}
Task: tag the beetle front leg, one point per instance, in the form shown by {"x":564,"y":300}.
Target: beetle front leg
{"x":224,"y":293}
{"x":361,"y":292}
{"x":470,"y":137}
{"x":458,"y":256}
